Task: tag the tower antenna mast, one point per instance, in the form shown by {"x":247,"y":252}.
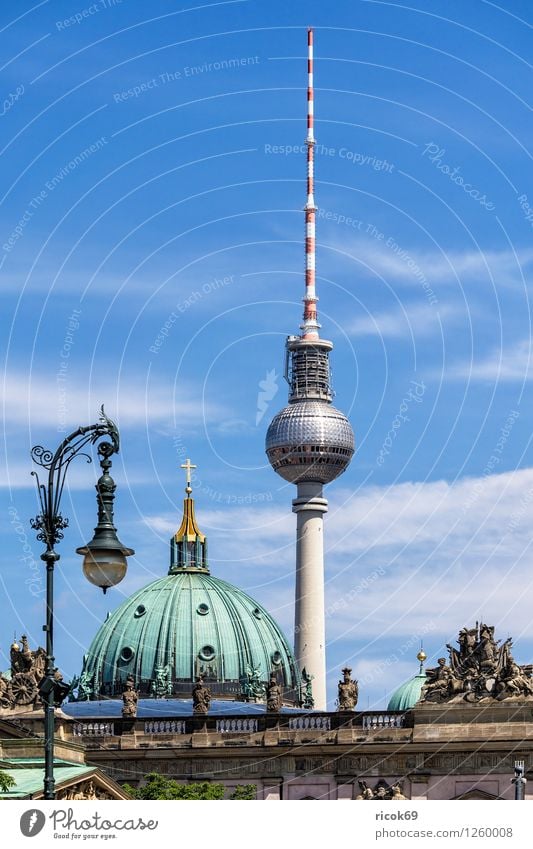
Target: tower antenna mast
{"x":310,"y":326}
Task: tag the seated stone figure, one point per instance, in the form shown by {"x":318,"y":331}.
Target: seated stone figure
{"x":439,"y":682}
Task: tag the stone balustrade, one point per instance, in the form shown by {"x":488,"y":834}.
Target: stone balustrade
{"x":307,"y":723}
{"x":237,"y":725}
{"x":93,"y":729}
{"x":165,"y":726}
{"x":383,"y":720}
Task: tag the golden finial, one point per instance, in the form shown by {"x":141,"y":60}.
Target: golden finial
{"x":187,"y":465}
{"x":189,"y":530}
{"x":421,"y":657}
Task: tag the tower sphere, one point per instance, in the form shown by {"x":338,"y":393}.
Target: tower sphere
{"x":309,"y":441}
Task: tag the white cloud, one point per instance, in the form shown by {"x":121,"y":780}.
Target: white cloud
{"x":510,"y":365}
{"x":42,"y":401}
{"x":405,"y":263}
{"x":421,"y":558}
{"x":417,"y":320}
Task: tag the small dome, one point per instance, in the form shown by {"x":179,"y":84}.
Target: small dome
{"x":310,"y":441}
{"x":408,"y":694}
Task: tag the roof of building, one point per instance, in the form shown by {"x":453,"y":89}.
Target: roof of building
{"x":23,"y":761}
{"x":29,"y":780}
{"x":154,"y":708}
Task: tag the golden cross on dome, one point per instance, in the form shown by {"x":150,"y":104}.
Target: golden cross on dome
{"x":188,"y":466}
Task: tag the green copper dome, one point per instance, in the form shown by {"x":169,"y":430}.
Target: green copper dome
{"x":408,"y":694}
{"x":185,"y":625}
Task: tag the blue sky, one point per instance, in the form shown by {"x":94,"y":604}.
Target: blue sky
{"x":151,"y":257}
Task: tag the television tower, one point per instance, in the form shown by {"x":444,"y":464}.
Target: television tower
{"x":310,"y":443}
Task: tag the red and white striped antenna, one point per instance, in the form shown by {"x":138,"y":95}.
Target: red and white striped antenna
{"x":310,"y":326}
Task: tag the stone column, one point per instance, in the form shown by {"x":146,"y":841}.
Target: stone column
{"x":309,"y":620}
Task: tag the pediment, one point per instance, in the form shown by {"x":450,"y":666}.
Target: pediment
{"x":476,"y":793}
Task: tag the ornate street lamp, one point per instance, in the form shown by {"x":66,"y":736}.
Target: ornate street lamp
{"x":105,"y":557}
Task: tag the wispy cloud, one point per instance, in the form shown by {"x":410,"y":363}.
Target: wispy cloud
{"x":404,"y":263}
{"x":412,"y":557}
{"x":40,"y":400}
{"x":418,"y":320}
{"x":509,"y":365}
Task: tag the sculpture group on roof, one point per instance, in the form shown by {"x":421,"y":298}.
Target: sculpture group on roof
{"x":480,"y":668}
{"x":381,"y":791}
{"x":21,"y":687}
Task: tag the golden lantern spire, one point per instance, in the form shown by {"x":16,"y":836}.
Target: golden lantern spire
{"x":188,"y":546}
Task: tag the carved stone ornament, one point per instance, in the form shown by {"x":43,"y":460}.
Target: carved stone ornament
{"x":161,"y":686}
{"x":83,"y":790}
{"x":348,"y":691}
{"x":381,"y":791}
{"x":27,"y":672}
{"x":479,"y":669}
{"x":252,"y":688}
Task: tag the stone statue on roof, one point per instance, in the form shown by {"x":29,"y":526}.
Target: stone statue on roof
{"x":201,"y":696}
{"x":130,"y":698}
{"x":274,"y":694}
{"x":348,"y":691}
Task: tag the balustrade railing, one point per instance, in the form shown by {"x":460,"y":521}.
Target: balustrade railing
{"x":237,"y":725}
{"x":93,"y":729}
{"x":305,"y":723}
{"x":383,"y":720}
{"x":164,"y":726}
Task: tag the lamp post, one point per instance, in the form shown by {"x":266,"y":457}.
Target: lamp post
{"x":519,"y":781}
{"x":105,"y":557}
